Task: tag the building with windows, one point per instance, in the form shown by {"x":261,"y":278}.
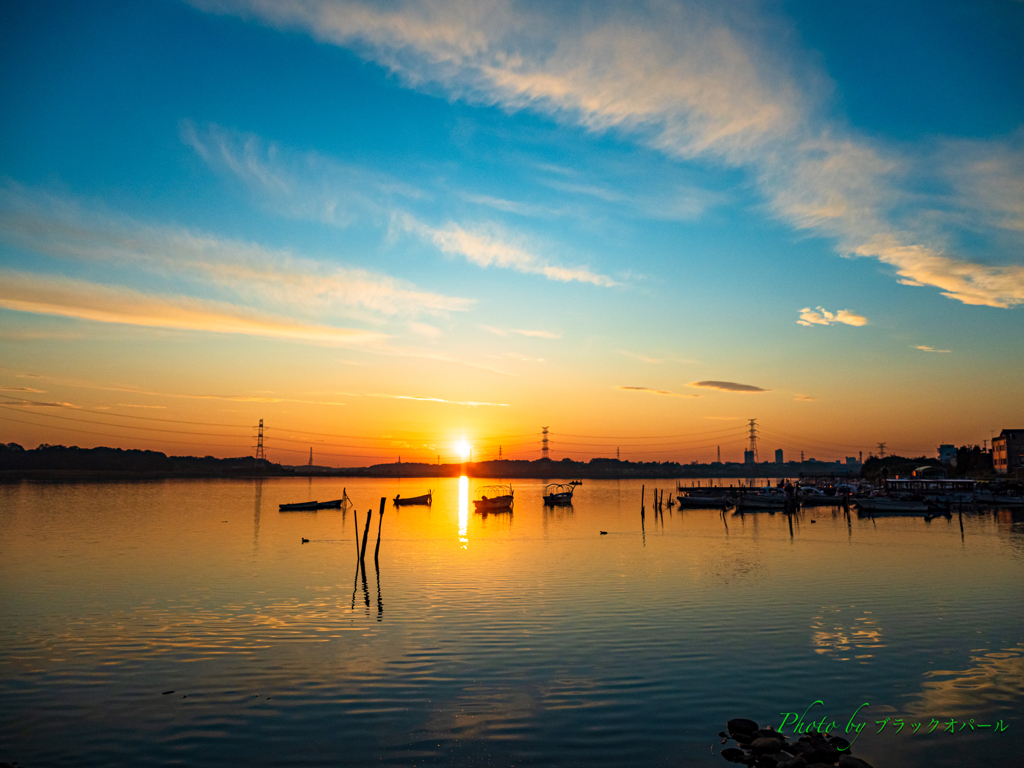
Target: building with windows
{"x":1008,"y":452}
{"x":947,"y":454}
{"x":778,"y":456}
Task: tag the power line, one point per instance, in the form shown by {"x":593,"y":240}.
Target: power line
{"x":16,"y":400}
{"x":120,"y":426}
{"x":122,"y":437}
{"x":653,"y":437}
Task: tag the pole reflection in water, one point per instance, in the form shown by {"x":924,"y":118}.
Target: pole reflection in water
{"x":256,"y":516}
{"x":380,"y":599}
{"x":464,"y":511}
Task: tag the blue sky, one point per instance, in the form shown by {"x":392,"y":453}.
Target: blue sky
{"x":428,"y":219}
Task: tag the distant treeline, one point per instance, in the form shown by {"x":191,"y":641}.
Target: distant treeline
{"x":14,"y":459}
{"x":601,"y":468}
{"x":61,"y":458}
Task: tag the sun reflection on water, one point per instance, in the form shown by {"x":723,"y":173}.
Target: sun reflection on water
{"x":464,"y":511}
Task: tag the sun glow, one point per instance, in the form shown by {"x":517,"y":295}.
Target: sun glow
{"x":463,"y":448}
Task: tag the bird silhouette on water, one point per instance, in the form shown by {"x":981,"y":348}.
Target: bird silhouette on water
{"x":305,"y":541}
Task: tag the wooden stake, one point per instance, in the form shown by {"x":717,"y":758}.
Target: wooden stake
{"x":380,"y":522}
{"x":355,"y":520}
{"x":366,"y":535}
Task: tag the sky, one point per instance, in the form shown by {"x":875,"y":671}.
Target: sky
{"x":387,"y":227}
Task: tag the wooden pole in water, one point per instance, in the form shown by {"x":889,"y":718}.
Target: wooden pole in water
{"x":355,"y":520}
{"x":366,"y":535}
{"x":380,"y":522}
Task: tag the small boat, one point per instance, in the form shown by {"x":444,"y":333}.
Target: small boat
{"x":494,"y":498}
{"x":559,"y":494}
{"x":426,"y":498}
{"x":769,"y":498}
{"x":814,"y":497}
{"x":890,"y":505}
{"x":311,"y":506}
{"x":703,"y":501}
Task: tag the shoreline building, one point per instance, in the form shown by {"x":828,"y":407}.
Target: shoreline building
{"x":947,"y":454}
{"x":1008,"y":452}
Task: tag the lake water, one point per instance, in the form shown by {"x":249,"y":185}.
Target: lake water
{"x":506,"y":640}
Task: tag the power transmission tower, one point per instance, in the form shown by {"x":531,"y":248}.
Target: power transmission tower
{"x":617,"y":456}
{"x":259,"y":443}
{"x":544,"y":442}
{"x":499,"y":453}
{"x":719,"y":454}
{"x":881,"y":450}
{"x":753,"y":438}
{"x":311,"y":456}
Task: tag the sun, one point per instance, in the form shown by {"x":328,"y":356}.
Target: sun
{"x":463,"y":448}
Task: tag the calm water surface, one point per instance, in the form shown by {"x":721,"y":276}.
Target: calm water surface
{"x":522,"y":639}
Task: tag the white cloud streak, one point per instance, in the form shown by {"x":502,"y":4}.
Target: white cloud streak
{"x":822,"y":316}
{"x":690,"y":79}
{"x":65,"y":297}
{"x":491,"y":249}
{"x":55,"y":227}
{"x":650,"y":391}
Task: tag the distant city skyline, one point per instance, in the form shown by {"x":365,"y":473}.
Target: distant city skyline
{"x":386,"y":229}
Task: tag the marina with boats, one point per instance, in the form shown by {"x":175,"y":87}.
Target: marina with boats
{"x":893,"y":496}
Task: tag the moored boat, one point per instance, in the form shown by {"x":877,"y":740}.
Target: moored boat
{"x":703,"y":501}
{"x":890,"y":505}
{"x":311,"y":506}
{"x":426,"y":498}
{"x":494,"y":498}
{"x":559,"y":494}
{"x":768,"y":498}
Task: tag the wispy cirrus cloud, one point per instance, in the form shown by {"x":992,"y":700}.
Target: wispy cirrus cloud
{"x":727,"y":386}
{"x":538,"y":334}
{"x":690,"y":79}
{"x":471,"y":403}
{"x":425,"y":329}
{"x":66,"y":297}
{"x":822,"y":316}
{"x":490,"y":247}
{"x":650,"y":391}
{"x":300,"y":184}
{"x":23,"y":389}
{"x":804,"y":399}
{"x":642,"y":358}
{"x":925,"y":348}
{"x":38,"y":404}
{"x":310,"y":186}
{"x":62,"y":228}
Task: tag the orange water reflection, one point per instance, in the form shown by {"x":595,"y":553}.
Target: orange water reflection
{"x":464,"y":511}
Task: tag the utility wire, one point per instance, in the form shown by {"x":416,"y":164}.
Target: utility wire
{"x":123,"y":437}
{"x":119,"y":426}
